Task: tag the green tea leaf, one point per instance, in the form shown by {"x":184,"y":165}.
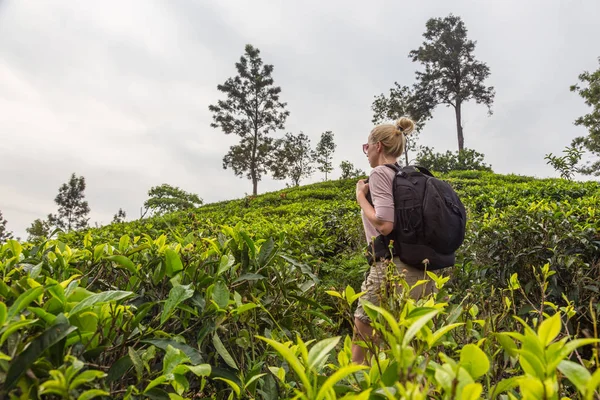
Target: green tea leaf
{"x":39,"y":345}
{"x":23,"y":300}
{"x":223,"y":352}
{"x":231,"y":384}
{"x":137,"y":362}
{"x":124,"y":262}
{"x":265,"y":252}
{"x":177,"y":295}
{"x":250,"y":244}
{"x":437,"y":335}
{"x":249,"y":277}
{"x":86,"y":377}
{"x":221,"y":294}
{"x":119,"y":368}
{"x":245,"y":307}
{"x":99,"y":298}
{"x":505,"y":384}
{"x":173,"y":263}
{"x":319,"y":352}
{"x":507,"y":344}
{"x":15,"y":247}
{"x":471,"y":391}
{"x":3,"y":313}
{"x":173,"y":357}
{"x":90,"y":394}
{"x":549,"y":329}
{"x":193,"y":354}
{"x":417,"y":325}
{"x":293,"y":362}
{"x":474,"y":360}
{"x":225,"y":264}
{"x":336,"y":377}
{"x":576,"y":373}
{"x":15,"y":326}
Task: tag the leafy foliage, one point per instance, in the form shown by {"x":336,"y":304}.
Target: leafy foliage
{"x":166,"y":198}
{"x":567,"y":164}
{"x":251,"y":110}
{"x":400,"y":102}
{"x":294,"y":158}
{"x":119,"y":216}
{"x":465,"y":160}
{"x":38,"y":230}
{"x":253,"y":298}
{"x":348,"y":170}
{"x":452,"y":75}
{"x":5,"y":234}
{"x":324,"y":152}
{"x":72,"y":208}
{"x":590,"y":92}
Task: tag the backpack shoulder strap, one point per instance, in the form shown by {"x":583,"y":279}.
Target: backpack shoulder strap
{"x":395,"y":166}
{"x":423,"y":170}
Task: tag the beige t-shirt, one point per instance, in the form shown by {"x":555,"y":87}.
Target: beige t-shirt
{"x":381,"y":180}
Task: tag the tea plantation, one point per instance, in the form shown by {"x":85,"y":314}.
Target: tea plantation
{"x":253,"y":298}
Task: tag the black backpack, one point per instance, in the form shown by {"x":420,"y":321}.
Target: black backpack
{"x":430,"y":220}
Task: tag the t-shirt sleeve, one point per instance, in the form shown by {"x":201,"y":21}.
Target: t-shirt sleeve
{"x":380,"y":186}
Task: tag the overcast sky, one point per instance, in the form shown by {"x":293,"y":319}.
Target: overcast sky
{"x":118,"y":91}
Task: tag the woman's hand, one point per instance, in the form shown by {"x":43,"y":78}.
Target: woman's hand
{"x":361,"y":187}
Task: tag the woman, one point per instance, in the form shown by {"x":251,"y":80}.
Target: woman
{"x":385,"y":144}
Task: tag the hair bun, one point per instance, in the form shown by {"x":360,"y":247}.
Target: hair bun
{"x":405,"y":125}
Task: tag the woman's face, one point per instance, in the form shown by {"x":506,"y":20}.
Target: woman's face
{"x":370,"y":149}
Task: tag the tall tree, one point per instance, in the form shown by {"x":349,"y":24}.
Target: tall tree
{"x":73,"y":210}
{"x":5,"y":234}
{"x":348,"y":170}
{"x":119,"y":216}
{"x":38,"y":231}
{"x":400,"y":102}
{"x":324,"y":153}
{"x":251,"y":110}
{"x":590,"y":92}
{"x":452,"y":75}
{"x":166,"y":198}
{"x":293,"y":158}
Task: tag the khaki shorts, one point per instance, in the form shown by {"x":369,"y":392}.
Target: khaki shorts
{"x":377,"y":280}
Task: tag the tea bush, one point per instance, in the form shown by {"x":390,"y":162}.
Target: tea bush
{"x":253,"y":298}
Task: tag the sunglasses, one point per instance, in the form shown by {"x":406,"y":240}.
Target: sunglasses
{"x":366,"y":147}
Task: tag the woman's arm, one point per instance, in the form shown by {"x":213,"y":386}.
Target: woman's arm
{"x":384,"y":227}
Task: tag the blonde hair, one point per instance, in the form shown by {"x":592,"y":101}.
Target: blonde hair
{"x":393,"y":136}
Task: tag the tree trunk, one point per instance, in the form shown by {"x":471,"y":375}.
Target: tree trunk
{"x":459,"y":129}
{"x":406,"y":151}
{"x":253,"y":164}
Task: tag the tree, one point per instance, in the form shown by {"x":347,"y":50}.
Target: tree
{"x":590,"y":92}
{"x":72,"y":208}
{"x":324,"y":152}
{"x":465,"y":160}
{"x":293,"y":158}
{"x":567,"y":164}
{"x":251,"y":110}
{"x":400,"y":102}
{"x":348,"y":170}
{"x":166,"y":198}
{"x":5,"y":234}
{"x":452,"y":75}
{"x":38,"y":231}
{"x":119,"y":216}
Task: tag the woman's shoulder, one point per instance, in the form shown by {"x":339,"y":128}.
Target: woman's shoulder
{"x":382,"y":171}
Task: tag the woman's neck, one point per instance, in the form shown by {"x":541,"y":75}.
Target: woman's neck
{"x":385,"y":160}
